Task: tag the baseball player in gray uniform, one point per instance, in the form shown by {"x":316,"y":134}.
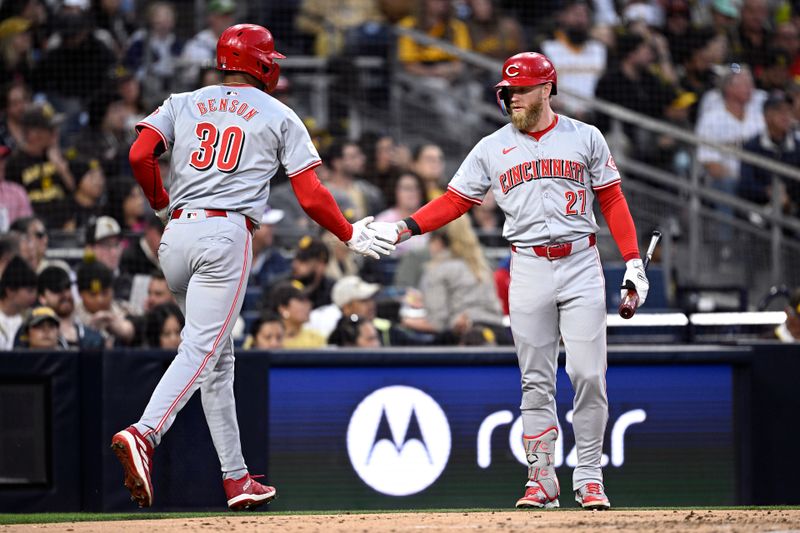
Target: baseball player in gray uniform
{"x":545,"y":171}
{"x":227,"y":141}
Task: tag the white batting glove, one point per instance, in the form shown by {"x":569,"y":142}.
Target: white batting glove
{"x":634,"y":272}
{"x":163,"y":215}
{"x":364,"y":242}
{"x":391,"y":232}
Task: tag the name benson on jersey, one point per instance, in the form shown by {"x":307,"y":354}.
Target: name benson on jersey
{"x":227,"y":106}
{"x":541,"y":169}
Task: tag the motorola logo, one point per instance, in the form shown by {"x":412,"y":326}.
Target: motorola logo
{"x":398,"y":440}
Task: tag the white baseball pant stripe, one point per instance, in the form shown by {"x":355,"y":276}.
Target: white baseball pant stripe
{"x":548,"y":301}
{"x":206,"y":262}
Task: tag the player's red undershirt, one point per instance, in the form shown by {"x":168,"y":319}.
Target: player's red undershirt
{"x":314,"y":198}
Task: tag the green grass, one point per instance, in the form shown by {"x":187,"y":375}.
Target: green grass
{"x":43,"y":518}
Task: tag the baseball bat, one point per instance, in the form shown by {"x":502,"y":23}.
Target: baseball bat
{"x":629,"y":304}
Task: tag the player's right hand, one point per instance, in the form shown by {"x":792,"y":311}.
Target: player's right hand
{"x":364,"y":241}
{"x":391,"y":232}
{"x":163,"y":214}
{"x":634,"y":272}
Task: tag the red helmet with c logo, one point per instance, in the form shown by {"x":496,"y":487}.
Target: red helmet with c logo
{"x":525,"y":69}
{"x":249,"y":48}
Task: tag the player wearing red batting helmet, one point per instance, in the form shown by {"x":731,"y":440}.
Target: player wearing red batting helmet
{"x":249,"y":48}
{"x":526,"y":69}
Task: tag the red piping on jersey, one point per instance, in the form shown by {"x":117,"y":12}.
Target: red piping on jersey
{"x":315,"y":164}
{"x":607,"y":185}
{"x":472,"y":199}
{"x":441,"y":211}
{"x":139,"y":126}
{"x":143,"y":157}
{"x":539,"y":134}
{"x":317,"y":201}
{"x":242,"y":277}
{"x":618,"y":216}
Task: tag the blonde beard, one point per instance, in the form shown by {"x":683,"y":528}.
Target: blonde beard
{"x":527,"y":119}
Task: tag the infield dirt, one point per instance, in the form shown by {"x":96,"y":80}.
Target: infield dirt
{"x":501,"y":521}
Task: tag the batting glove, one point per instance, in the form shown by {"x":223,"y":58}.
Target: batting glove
{"x":163,"y":215}
{"x":364,"y":242}
{"x":391,"y":232}
{"x":634,"y":273}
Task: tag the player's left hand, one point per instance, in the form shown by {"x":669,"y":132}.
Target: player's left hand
{"x":391,"y":232}
{"x":634,"y":272}
{"x":364,"y":241}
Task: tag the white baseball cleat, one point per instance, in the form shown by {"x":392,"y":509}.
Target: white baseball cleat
{"x":536,"y":497}
{"x":592,"y":496}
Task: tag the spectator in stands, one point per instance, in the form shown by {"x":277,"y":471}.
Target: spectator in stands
{"x":17,"y":295}
{"x":407,"y":196}
{"x":126,"y":203}
{"x":579,"y":59}
{"x":16,"y":98}
{"x":351,"y":295}
{"x":163,"y":325}
{"x":16,"y":49}
{"x":268,"y":262}
{"x":428,"y":163}
{"x":14,"y":203}
{"x":382,"y":165}
{"x":110,"y":18}
{"x":488,"y":222}
{"x":703,"y":48}
{"x":103,"y":242}
{"x":294,"y":306}
{"x":98,"y":308}
{"x":108,"y":136}
{"x":154,"y":53}
{"x":789,"y":330}
{"x":778,"y":141}
{"x":40,"y":331}
{"x":353,"y":331}
{"x":158,"y":292}
{"x":55,"y":291}
{"x":9,"y":248}
{"x":678,"y":29}
{"x":774,"y":74}
{"x":731,"y":116}
{"x":751,"y":41}
{"x":201,"y":50}
{"x":308,"y":267}
{"x":491,"y":32}
{"x":266,"y":333}
{"x":142,"y":256}
{"x":85,"y":205}
{"x":40,"y":167}
{"x":346,"y":162}
{"x":787,"y":37}
{"x":330,"y":26}
{"x":33,"y":243}
{"x":71,"y":72}
{"x":725,"y":18}
{"x":342,"y":261}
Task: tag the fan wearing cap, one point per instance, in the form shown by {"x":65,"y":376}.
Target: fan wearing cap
{"x":268,"y":263}
{"x":292,"y":304}
{"x":39,"y":166}
{"x":17,"y":295}
{"x":55,"y":291}
{"x":98,"y":308}
{"x":40,"y":331}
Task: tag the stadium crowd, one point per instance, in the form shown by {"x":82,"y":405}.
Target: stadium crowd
{"x":78,"y":74}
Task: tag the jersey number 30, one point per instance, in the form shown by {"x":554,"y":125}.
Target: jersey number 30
{"x":226,"y":156}
{"x":572,"y":199}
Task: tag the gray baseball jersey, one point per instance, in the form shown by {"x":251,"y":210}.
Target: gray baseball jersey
{"x":227,"y":142}
{"x":545,"y":187}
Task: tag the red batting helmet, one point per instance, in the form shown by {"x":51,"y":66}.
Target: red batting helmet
{"x":524,"y":70}
{"x":249,"y":48}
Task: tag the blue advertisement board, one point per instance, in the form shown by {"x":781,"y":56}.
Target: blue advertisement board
{"x":450,"y":436}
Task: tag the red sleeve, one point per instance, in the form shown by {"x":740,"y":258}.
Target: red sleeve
{"x":618,"y":216}
{"x":317,"y":201}
{"x":441,"y":211}
{"x":144,"y":162}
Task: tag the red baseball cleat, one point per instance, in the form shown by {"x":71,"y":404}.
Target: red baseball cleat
{"x":592,"y":496}
{"x":537,"y":497}
{"x":136,"y":455}
{"x":246,"y":493}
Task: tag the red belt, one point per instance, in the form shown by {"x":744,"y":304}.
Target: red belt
{"x":214,"y":213}
{"x":563,"y":249}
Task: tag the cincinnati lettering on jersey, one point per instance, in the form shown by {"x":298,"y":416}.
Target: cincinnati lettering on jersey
{"x":541,"y":169}
{"x":225,"y":105}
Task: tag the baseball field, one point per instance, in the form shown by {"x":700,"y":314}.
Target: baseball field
{"x":782,"y":519}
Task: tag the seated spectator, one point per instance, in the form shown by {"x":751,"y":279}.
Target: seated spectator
{"x":142,"y":256}
{"x":126,"y":203}
{"x":108,"y":136}
{"x":787,"y":37}
{"x":55,"y":291}
{"x":85,"y":205}
{"x":98,"y":308}
{"x":331,"y":25}
{"x":40,"y":331}
{"x":703,"y":47}
{"x":16,"y":99}
{"x":342,"y":261}
{"x":579,"y":59}
{"x":346,"y":162}
{"x":351,"y":295}
{"x":428,"y":163}
{"x":112,"y":20}
{"x":789,"y":331}
{"x":778,"y":141}
{"x":294,"y":306}
{"x":308,"y":267}
{"x":355,"y":332}
{"x":14,"y":203}
{"x":267,"y":333}
{"x":492,"y":33}
{"x":39,"y":166}
{"x":16,"y":49}
{"x":408,"y":195}
{"x":163,"y":326}
{"x":33,"y":243}
{"x":17,"y":296}
{"x":751,"y":41}
{"x":158,"y":292}
{"x":775,"y":74}
{"x":154,"y":53}
{"x":383,"y":162}
{"x":268,"y":263}
{"x":104,"y":245}
{"x":200,"y":51}
{"x":9,"y":248}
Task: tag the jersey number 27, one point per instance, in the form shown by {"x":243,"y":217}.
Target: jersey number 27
{"x":227,"y":155}
{"x":572,"y":199}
